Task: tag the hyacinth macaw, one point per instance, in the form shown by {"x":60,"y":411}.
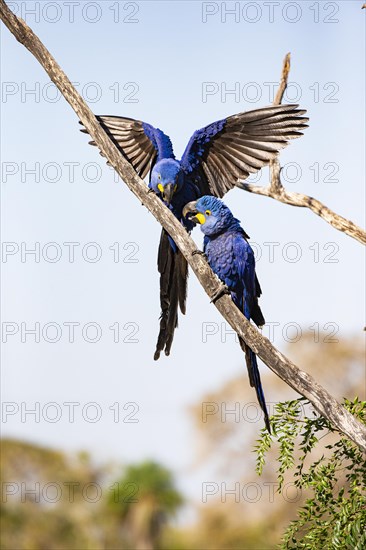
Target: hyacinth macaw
{"x":232,"y":259}
{"x":216,"y":157}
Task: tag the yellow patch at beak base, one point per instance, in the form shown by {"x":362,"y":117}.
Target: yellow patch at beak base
{"x":161,"y":188}
{"x":200,"y":218}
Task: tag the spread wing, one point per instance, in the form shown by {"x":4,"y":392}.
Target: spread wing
{"x":140,"y":143}
{"x":228,"y":150}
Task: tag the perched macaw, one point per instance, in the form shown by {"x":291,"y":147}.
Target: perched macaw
{"x":216,"y":157}
{"x":232,"y":259}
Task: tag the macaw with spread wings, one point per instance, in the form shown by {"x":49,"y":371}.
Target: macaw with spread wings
{"x":215,"y":159}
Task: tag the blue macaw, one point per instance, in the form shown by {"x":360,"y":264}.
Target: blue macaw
{"x":216,"y":157}
{"x":232,"y":259}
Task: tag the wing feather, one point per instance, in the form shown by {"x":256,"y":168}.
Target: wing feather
{"x":231,"y":149}
{"x":140,"y":143}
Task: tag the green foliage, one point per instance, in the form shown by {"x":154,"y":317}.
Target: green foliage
{"x":146,"y":481}
{"x":145,"y":498}
{"x":334,"y":475}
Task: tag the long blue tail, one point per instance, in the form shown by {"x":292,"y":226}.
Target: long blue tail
{"x":255,"y":380}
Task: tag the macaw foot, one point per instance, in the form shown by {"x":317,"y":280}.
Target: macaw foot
{"x":150,"y":190}
{"x":223,"y":289}
{"x":200,"y":252}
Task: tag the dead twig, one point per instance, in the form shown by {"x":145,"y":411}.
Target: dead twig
{"x":276,"y":190}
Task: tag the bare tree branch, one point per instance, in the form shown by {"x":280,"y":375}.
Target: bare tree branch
{"x":300,"y":381}
{"x":284,"y":78}
{"x":274,"y":166}
{"x":276,"y":191}
{"x":298,"y":199}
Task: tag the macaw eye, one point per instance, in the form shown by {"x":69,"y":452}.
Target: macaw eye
{"x":208,"y":212}
{"x":159,"y":176}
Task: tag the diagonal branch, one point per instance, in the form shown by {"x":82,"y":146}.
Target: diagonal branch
{"x":276,"y":191}
{"x":300,"y":381}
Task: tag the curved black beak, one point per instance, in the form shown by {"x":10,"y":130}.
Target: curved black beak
{"x":169,"y":189}
{"x":190,"y":211}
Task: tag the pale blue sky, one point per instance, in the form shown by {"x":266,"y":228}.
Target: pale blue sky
{"x":168,"y":55}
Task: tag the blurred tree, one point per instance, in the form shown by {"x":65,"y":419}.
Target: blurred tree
{"x":228,"y":421}
{"x":52,"y":501}
{"x":49,"y":501}
{"x":337,"y":364}
{"x":143,"y":499}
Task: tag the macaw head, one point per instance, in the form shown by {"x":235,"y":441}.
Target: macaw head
{"x":213,"y":215}
{"x":166,"y":178}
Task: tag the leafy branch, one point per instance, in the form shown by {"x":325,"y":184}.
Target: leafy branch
{"x":334,"y":516}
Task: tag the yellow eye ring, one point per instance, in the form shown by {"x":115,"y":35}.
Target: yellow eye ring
{"x":208,"y":212}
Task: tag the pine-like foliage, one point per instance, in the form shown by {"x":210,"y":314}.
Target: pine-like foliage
{"x":332,"y":475}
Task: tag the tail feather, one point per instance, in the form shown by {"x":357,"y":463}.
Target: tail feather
{"x":256,"y":312}
{"x":173,"y":270}
{"x":255,"y":380}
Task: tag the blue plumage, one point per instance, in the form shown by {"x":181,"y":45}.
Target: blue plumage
{"x":196,"y":146}
{"x":160,"y":141}
{"x":215,"y":159}
{"x":174,"y":186}
{"x":232,"y":259}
